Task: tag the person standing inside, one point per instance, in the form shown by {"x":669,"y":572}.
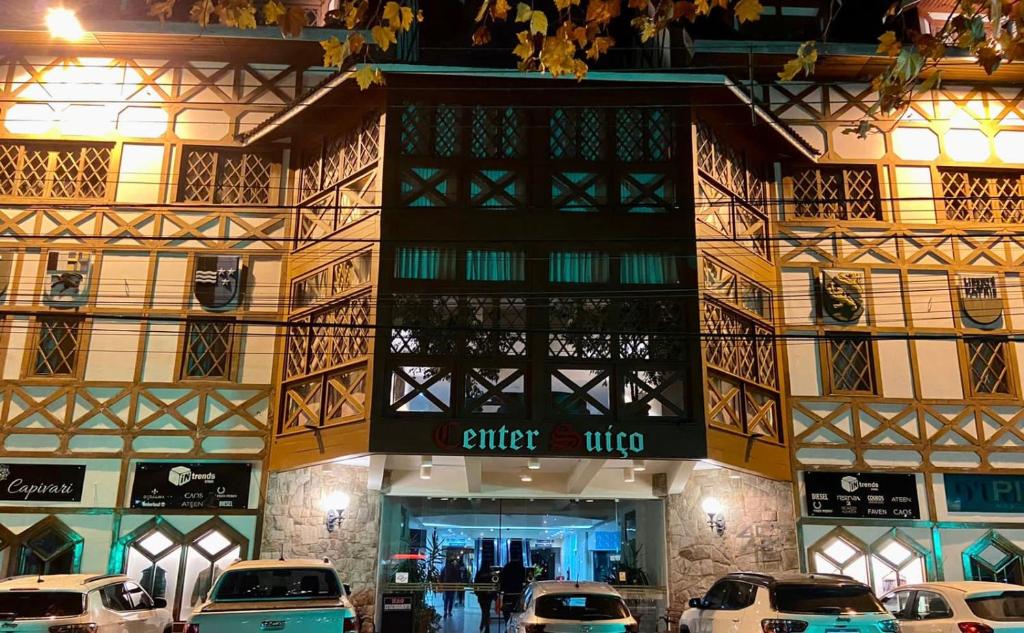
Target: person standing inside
{"x":484,"y":597}
{"x":513,"y":579}
{"x":450,"y":573}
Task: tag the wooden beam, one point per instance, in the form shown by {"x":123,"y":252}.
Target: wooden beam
{"x":678,"y":474}
{"x":375,"y":480}
{"x":474,"y":474}
{"x":582,"y":474}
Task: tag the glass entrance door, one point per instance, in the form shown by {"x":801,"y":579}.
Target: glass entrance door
{"x":465,"y":562}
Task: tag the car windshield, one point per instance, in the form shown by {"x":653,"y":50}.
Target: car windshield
{"x":581,"y":606}
{"x":1006,"y":607}
{"x":277,"y":584}
{"x":804,"y":598}
{"x":21,"y":605}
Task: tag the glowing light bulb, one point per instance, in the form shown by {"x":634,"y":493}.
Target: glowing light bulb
{"x":63,"y":24}
{"x":712,"y":506}
{"x":337,"y":500}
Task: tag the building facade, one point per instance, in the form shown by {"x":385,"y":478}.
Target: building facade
{"x":901,"y":298}
{"x":649,"y":328}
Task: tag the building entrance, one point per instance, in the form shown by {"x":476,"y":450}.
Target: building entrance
{"x":465,"y":561}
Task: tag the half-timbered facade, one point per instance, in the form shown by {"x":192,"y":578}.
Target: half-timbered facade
{"x":901,"y":298}
{"x":143,"y":275}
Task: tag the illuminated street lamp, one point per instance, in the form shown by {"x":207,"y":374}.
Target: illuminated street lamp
{"x":63,"y":24}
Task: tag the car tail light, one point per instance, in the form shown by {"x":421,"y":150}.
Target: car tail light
{"x":73,"y":628}
{"x":974,"y":627}
{"x":889,"y":626}
{"x":783,"y":626}
{"x":350,"y":625}
{"x":534,"y":628}
{"x":191,"y":628}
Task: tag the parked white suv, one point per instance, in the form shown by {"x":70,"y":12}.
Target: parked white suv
{"x":792,"y":603}
{"x":554,"y":606}
{"x":80,"y":603}
{"x":958,"y":607}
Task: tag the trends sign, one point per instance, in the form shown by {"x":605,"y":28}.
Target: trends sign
{"x":41,"y":482}
{"x":861,"y":495}
{"x":191,"y":485}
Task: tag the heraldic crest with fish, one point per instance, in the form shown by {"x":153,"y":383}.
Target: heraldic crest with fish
{"x":842,"y":295}
{"x":217,"y":280}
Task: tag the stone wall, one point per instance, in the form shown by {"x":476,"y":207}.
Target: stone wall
{"x":760,"y":531}
{"x":293,"y":518}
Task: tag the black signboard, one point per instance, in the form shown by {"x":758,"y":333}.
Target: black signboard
{"x":191,"y":485}
{"x":861,"y":495}
{"x":41,"y":482}
{"x":661,"y":439}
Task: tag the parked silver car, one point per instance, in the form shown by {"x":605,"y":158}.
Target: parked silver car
{"x":570,"y":607}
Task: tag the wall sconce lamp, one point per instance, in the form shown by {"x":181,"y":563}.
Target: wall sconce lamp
{"x":716,"y":520}
{"x":334,"y":506}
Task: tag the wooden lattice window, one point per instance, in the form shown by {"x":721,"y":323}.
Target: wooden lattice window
{"x":429,"y":130}
{"x":498,"y":133}
{"x":851,"y":365}
{"x":842,"y":194}
{"x":577,"y":134}
{"x":66,"y":171}
{"x":225,"y":177}
{"x":643,"y":134}
{"x":989,"y":365}
{"x":57,"y":346}
{"x":208,"y":346}
{"x":332,"y":281}
{"x":49,"y":547}
{"x":983,"y":196}
{"x":739,"y":344}
{"x":330,"y":336}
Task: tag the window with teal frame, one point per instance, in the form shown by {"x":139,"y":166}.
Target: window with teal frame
{"x":648,"y":268}
{"x":643,"y":134}
{"x":994,"y":558}
{"x":495,"y":266}
{"x":578,"y":267}
{"x":424,"y":263}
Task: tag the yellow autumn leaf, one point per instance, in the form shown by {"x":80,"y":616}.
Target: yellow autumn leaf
{"x":408,"y":17}
{"x":383,"y":36}
{"x":500,"y":10}
{"x":556,"y":56}
{"x":562,"y":5}
{"x":888,"y":44}
{"x":539,"y":23}
{"x":162,"y":9}
{"x":482,"y":13}
{"x":524,"y":49}
{"x":400,"y":18}
{"x":201,"y":12}
{"x":272,"y":11}
{"x":392,"y":12}
{"x":523,"y":12}
{"x":355,"y":43}
{"x":367,"y":75}
{"x":334,"y":52}
{"x":790,"y":70}
{"x":702,"y":6}
{"x":748,"y":10}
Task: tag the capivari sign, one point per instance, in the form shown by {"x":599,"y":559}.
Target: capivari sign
{"x":41,"y":482}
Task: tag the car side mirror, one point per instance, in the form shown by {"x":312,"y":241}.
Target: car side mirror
{"x":348,"y":589}
{"x":159,"y":603}
{"x":696,"y":603}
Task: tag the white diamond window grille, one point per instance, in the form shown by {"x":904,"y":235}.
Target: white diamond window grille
{"x":64,"y":171}
{"x":226,"y":177}
{"x":851,"y":364}
{"x":57,"y":348}
{"x":208,"y":350}
{"x":989,"y":369}
{"x":981,"y":196}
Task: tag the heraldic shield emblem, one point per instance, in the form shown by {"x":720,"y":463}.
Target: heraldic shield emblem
{"x":218,"y":280}
{"x":67,"y":277}
{"x":979,"y":298}
{"x":842,"y":295}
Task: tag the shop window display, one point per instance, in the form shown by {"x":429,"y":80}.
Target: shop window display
{"x":891,"y":561}
{"x":994,"y":558}
{"x":49,"y":547}
{"x":180,"y":568}
{"x":475,"y":546}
